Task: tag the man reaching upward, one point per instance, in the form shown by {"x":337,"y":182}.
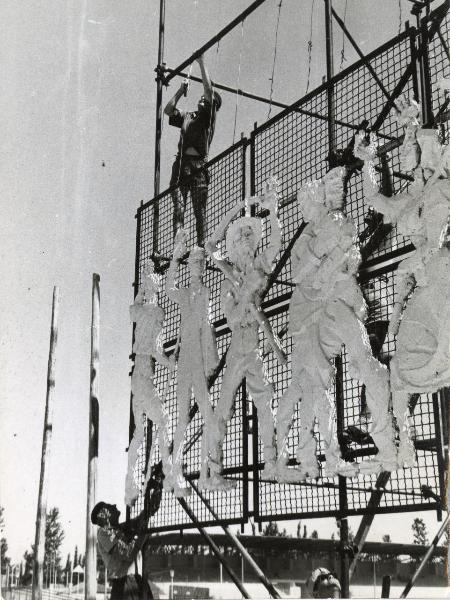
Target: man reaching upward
{"x":189,"y":170}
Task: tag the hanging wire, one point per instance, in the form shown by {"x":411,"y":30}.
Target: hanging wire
{"x":238,"y":80}
{"x":310,"y":45}
{"x":274,"y":58}
{"x":343,"y":58}
{"x":400,"y":17}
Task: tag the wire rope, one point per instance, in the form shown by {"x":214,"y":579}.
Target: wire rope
{"x":400,"y":17}
{"x":238,"y":81}
{"x":274,"y":58}
{"x":310,"y":45}
{"x":343,"y":58}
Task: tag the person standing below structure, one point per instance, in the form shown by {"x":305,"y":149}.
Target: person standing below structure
{"x":189,"y":171}
{"x":327,"y":310}
{"x":245,"y":281}
{"x":120,"y":543}
{"x":197,"y":360}
{"x":147,"y":403}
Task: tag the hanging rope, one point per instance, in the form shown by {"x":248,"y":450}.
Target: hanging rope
{"x":310,"y":45}
{"x":400,"y":17}
{"x":238,"y":80}
{"x":274,"y":58}
{"x":343,"y":58}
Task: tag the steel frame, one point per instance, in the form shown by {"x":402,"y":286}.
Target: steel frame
{"x":279,"y":305}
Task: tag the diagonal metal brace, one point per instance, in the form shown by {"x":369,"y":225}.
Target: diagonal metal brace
{"x":367,"y":520}
{"x":238,"y":544}
{"x":214,"y":548}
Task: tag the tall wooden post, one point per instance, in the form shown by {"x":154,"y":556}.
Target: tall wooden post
{"x":39,"y":540}
{"x":90,"y":588}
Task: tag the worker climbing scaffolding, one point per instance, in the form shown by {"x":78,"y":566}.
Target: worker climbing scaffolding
{"x":189,"y":171}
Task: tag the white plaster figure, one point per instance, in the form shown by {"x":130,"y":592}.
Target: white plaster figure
{"x":421,"y":361}
{"x":147,"y":402}
{"x":197,"y":359}
{"x":245,"y":279}
{"x":327,"y":310}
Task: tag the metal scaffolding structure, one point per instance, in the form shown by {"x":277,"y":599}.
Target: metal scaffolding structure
{"x":298,"y":145}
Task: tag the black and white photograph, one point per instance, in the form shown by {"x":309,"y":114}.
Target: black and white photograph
{"x":225,"y":339}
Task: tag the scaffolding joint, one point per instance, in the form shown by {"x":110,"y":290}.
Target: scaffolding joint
{"x":160,"y":71}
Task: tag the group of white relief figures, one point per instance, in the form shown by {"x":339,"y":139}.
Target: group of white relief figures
{"x":327,"y":309}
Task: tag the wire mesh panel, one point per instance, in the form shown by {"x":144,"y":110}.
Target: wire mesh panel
{"x":155,"y":233}
{"x":294,"y":147}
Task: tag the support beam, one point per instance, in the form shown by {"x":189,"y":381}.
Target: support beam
{"x":238,"y":544}
{"x":367,"y":520}
{"x":214,"y":548}
{"x":39,"y":540}
{"x":330,"y":73}
{"x":362,"y":57}
{"x":90,"y":588}
{"x":296,"y":109}
{"x":159,"y":117}
{"x":215,"y":39}
{"x":429,"y":552}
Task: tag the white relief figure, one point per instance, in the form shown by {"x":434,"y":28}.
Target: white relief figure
{"x":421,"y":313}
{"x":147,"y":402}
{"x":245,"y":279}
{"x":327,"y":310}
{"x":197,"y":360}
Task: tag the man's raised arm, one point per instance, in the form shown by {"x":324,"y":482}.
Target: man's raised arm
{"x":172,"y":104}
{"x":207,"y":85}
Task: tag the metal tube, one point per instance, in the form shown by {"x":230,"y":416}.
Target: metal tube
{"x":158,"y":127}
{"x":216,"y":38}
{"x":39,"y":550}
{"x":429,"y":552}
{"x":90,"y":588}
{"x":214,"y":548}
{"x":330,"y":73}
{"x":362,"y":57}
{"x":238,"y":544}
{"x":367,"y":520}
{"x":343,"y":505}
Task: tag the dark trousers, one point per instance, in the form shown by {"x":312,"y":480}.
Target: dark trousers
{"x":131,"y":587}
{"x":190,"y":174}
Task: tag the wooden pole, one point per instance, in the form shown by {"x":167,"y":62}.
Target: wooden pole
{"x":39,"y":540}
{"x":90,"y":587}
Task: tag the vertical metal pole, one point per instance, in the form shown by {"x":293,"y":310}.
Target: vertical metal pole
{"x":343,"y":505}
{"x":245,"y":442}
{"x":158,"y":127}
{"x":90,"y":588}
{"x":330,"y":73}
{"x":386,"y":586}
{"x":39,"y":543}
{"x":427,"y":98}
{"x":438,"y":425}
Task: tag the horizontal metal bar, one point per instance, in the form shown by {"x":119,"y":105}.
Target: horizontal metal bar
{"x":244,"y":94}
{"x":216,"y":38}
{"x":285,"y":543}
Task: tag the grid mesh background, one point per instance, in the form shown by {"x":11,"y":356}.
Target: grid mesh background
{"x":294,"y":147}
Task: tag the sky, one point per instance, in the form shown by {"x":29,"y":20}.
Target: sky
{"x":77,"y":109}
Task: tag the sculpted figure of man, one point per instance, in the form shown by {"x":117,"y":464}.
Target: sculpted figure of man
{"x":421,"y":362}
{"x":197,"y":359}
{"x":245,"y":280}
{"x":327,"y":310}
{"x":147,"y":347}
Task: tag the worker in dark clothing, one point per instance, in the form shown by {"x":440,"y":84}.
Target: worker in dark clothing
{"x":120,"y":543}
{"x":189,"y":171}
